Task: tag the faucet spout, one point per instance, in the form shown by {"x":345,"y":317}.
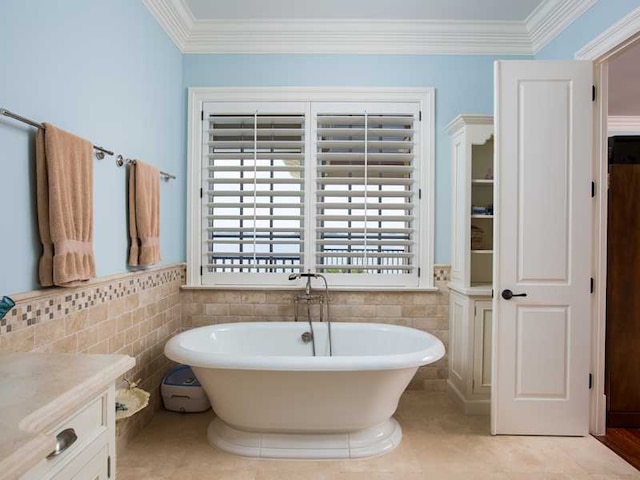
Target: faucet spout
{"x":309,"y":276}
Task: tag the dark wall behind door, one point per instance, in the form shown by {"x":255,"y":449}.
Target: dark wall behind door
{"x":623,"y":297}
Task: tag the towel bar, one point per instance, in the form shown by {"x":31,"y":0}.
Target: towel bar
{"x":120,"y":161}
{"x":3,"y":111}
{"x":100,"y":151}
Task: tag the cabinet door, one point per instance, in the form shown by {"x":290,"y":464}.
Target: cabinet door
{"x":458,"y":319}
{"x":482,"y":348}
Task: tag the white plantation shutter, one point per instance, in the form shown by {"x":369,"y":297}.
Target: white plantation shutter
{"x":253,"y":190}
{"x":366,"y":191}
{"x":341,"y":188}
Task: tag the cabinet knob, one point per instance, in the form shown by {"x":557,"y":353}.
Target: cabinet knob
{"x":508,"y":294}
{"x":64,"y":440}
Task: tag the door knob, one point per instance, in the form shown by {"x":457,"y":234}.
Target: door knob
{"x":508,"y":294}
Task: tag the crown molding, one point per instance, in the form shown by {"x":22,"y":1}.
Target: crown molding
{"x":551,"y":17}
{"x":365,"y":36}
{"x":468,"y":119}
{"x":358,"y":37}
{"x":613,"y":39}
{"x":175,"y":18}
{"x":623,"y":124}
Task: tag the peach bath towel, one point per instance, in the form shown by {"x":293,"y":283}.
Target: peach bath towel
{"x":64,"y":190}
{"x":144,"y":214}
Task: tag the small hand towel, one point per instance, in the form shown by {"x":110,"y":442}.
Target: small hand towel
{"x":144,"y":214}
{"x":64,"y":191}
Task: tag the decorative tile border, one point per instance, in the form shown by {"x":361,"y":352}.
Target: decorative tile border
{"x":442,"y":273}
{"x":41,"y":306}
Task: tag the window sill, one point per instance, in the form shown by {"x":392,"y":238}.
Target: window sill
{"x":266,"y":288}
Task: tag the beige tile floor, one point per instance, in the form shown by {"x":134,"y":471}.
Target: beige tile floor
{"x":439,"y":443}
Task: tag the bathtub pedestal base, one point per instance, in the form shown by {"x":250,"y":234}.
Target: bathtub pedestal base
{"x":359,"y":444}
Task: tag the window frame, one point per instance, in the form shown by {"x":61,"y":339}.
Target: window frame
{"x":425,"y":165}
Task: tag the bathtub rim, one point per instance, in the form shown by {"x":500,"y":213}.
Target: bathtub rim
{"x":432,"y":353}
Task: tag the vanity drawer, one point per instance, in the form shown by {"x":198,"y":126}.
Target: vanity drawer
{"x":98,"y":468}
{"x":86,"y":426}
{"x":92,"y":464}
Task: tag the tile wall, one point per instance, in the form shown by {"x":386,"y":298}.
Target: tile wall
{"x":133,"y":314}
{"x":427,"y":311}
{"x":136,"y":313}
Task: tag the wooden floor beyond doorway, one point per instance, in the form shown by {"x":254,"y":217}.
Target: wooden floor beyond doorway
{"x":625,"y":442}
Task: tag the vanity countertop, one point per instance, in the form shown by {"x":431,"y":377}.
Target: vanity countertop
{"x":39,"y":390}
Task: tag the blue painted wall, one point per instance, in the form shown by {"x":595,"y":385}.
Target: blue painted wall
{"x":107,"y":72}
{"x":594,"y":21}
{"x":464,"y":84}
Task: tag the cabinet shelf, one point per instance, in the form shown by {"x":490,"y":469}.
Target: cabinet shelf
{"x":482,"y":181}
{"x":472,"y":200}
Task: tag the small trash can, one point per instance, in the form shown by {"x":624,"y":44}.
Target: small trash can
{"x":181,"y":391}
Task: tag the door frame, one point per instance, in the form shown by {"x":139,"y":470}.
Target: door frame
{"x":601,"y":50}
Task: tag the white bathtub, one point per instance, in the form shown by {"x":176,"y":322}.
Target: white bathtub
{"x":274,"y":399}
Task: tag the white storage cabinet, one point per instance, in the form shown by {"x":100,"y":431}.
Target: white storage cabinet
{"x":471,"y":283}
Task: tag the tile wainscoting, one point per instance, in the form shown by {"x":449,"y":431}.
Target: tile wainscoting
{"x":137,"y":312}
{"x":133,"y":313}
{"x":427,"y":311}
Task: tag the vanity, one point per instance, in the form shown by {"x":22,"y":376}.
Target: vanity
{"x":57,"y":415}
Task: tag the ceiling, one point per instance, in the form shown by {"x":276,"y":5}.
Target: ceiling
{"x":441,"y":27}
{"x":477,"y":10}
{"x":624,"y":83}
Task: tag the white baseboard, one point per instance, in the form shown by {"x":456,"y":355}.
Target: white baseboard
{"x":468,"y":407}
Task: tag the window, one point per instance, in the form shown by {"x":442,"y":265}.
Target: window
{"x":339,"y":188}
{"x":253,"y":189}
{"x":365,"y":192}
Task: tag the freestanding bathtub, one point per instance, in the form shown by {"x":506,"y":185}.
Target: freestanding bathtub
{"x":273,"y":399}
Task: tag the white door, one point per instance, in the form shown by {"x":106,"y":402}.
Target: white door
{"x":541,"y":356}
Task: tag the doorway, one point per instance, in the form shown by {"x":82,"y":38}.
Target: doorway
{"x":622,"y":312}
